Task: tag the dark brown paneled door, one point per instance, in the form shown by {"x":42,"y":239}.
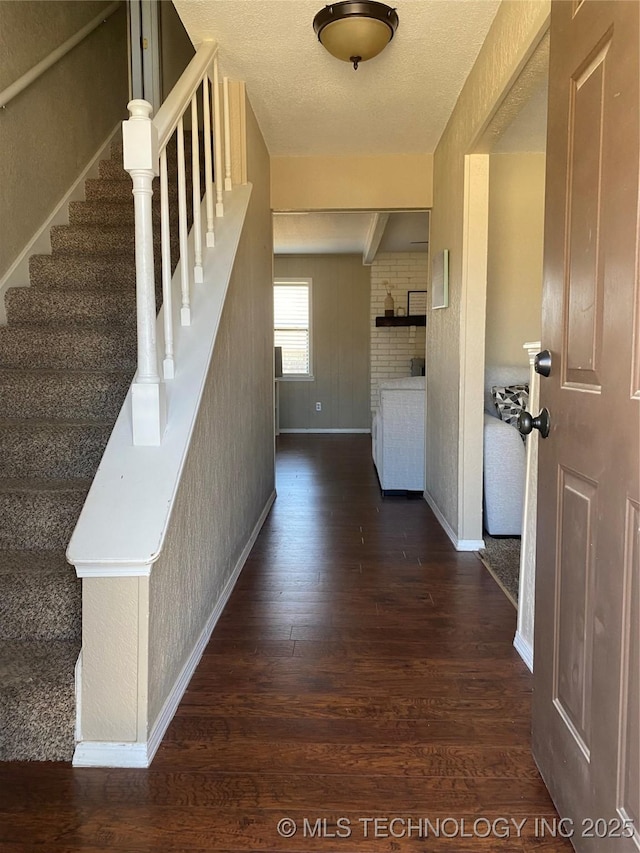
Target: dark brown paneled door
{"x":586,"y":714}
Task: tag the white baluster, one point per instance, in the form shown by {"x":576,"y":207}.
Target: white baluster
{"x":165,"y":234}
{"x":185,"y":310}
{"x":228,"y":185}
{"x":198,"y":276}
{"x":217,"y":140}
{"x":148,"y":401}
{"x":208,"y":170}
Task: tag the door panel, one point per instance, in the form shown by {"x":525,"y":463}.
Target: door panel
{"x":629,"y":752}
{"x":574,"y":605}
{"x":585,"y":287}
{"x":586,"y":710}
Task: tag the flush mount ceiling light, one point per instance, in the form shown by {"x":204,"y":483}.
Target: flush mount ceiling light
{"x":355,"y":31}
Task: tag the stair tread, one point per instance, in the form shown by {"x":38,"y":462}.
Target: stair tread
{"x":95,"y":229}
{"x":92,"y":308}
{"x":36,"y":561}
{"x":37,"y":699}
{"x":59,"y":327}
{"x":24,"y":661}
{"x":115,"y":329}
{"x":50,"y":423}
{"x":58,"y":349}
{"x":29,"y":485}
{"x":90,"y":258}
{"x":69,"y":294}
{"x":59,"y":373}
{"x":71,"y":290}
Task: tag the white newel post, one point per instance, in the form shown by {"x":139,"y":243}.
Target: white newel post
{"x":141,"y":160}
{"x":527,"y":592}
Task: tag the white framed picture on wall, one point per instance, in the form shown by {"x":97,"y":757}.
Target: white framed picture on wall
{"x":440,"y":280}
{"x":416,"y":302}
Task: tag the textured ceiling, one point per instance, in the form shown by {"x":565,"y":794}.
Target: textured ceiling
{"x":307,"y":102}
{"x":528,"y":130}
{"x":406,"y":232}
{"x":337,"y":233}
{"x":520,"y":123}
{"x":320,"y":233}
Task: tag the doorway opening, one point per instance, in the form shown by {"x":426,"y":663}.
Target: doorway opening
{"x":504,"y":194}
{"x":354,"y":261}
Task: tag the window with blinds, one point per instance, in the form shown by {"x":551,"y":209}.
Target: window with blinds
{"x":292,"y":325}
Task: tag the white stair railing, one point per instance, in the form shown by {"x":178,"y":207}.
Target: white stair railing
{"x":145,"y":142}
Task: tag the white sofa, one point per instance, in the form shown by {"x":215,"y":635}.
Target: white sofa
{"x":398,"y":434}
{"x":504,"y":460}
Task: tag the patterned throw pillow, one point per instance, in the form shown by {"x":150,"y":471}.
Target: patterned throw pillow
{"x":510,"y":400}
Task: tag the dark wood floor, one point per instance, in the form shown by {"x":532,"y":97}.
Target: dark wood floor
{"x":362,"y":669}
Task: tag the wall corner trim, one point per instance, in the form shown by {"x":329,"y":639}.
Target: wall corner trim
{"x":140,"y":754}
{"x":524,"y":649}
{"x":458,"y":544}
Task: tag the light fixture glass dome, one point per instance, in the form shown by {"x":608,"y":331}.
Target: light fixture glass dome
{"x":355,"y":31}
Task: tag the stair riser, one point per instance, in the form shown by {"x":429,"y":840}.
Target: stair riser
{"x":113,"y":214}
{"x":37,"y":714}
{"x":112,"y":170}
{"x":90,"y":397}
{"x":60,"y":350}
{"x":47,"y":271}
{"x":101,"y":189}
{"x":46,"y":452}
{"x":78,"y":240}
{"x":42,"y":520}
{"x":119,"y":214}
{"x":26,"y":306}
{"x":43,"y":606}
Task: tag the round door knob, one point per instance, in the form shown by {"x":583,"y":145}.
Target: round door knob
{"x":527,"y":423}
{"x":542,"y":363}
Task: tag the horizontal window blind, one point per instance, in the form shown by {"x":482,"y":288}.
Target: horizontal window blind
{"x":291,"y":327}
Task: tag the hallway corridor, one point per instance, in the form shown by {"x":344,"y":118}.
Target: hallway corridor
{"x":361,"y":670}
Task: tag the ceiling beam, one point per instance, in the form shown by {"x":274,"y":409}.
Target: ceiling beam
{"x":374,"y":237}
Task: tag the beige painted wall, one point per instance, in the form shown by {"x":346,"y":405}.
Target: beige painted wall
{"x":514,"y":262}
{"x":176,"y":48}
{"x":352,"y":183}
{"x":340,"y":320}
{"x":456,"y":334}
{"x":229,"y":473}
{"x":51,"y":131}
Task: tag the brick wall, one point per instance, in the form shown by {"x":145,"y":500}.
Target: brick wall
{"x":393,"y":348}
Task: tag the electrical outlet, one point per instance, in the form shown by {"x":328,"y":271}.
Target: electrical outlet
{"x":318,"y":407}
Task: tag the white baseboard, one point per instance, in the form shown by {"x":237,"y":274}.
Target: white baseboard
{"x":109,"y":754}
{"x":140,"y":754}
{"x":322,"y":431}
{"x":175,"y":696}
{"x":524,"y":649}
{"x":40,"y":244}
{"x":458,"y":544}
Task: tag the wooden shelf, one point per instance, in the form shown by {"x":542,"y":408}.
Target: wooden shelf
{"x":411,"y":320}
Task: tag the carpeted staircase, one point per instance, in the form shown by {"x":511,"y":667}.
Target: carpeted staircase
{"x":67,"y":358}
